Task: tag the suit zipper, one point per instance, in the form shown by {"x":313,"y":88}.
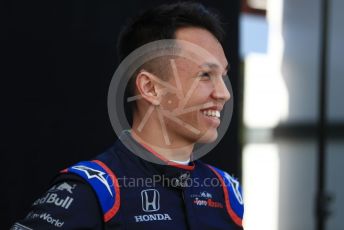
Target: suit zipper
{"x":185,"y":210}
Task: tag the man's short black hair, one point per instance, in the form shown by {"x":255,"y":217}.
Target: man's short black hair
{"x":163,"y":21}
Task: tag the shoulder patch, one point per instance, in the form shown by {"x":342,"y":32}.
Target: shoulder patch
{"x":104,"y":183}
{"x":232,"y":192}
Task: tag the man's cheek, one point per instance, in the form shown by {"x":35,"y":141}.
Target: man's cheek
{"x":195,"y":120}
{"x":169,"y":102}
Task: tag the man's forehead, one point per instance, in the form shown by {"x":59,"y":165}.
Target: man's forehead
{"x":205,"y":63}
{"x":202,"y":38}
{"x":213,"y":59}
{"x":215,"y":66}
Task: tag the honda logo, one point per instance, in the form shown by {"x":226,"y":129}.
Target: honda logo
{"x":150,"y":200}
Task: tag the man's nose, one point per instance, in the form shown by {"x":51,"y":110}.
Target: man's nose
{"x":220,"y":90}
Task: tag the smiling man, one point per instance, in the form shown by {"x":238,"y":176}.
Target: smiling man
{"x":202,"y":87}
{"x":150,"y":178}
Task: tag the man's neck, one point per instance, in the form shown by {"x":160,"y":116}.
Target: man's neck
{"x":154,"y":140}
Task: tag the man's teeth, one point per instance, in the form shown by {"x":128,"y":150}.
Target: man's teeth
{"x":212,"y":113}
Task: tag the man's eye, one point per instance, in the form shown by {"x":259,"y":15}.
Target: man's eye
{"x":205,"y":75}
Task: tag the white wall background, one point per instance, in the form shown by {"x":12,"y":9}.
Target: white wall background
{"x":281,"y":51}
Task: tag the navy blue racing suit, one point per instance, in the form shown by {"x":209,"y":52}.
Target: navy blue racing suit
{"x":120,"y":190}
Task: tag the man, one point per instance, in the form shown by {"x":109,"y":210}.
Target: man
{"x":150,"y":179}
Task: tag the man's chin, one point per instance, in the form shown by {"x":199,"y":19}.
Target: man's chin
{"x":209,"y":137}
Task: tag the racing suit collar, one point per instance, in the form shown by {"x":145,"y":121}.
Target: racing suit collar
{"x":177,"y":173}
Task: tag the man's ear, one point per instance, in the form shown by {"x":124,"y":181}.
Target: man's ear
{"x":148,"y":88}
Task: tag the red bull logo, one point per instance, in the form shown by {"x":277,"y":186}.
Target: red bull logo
{"x":52,"y":198}
{"x":63,"y":187}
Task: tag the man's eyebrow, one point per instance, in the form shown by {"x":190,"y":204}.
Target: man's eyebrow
{"x":213,"y":66}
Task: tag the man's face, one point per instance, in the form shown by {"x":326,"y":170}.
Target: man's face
{"x":197,"y":105}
